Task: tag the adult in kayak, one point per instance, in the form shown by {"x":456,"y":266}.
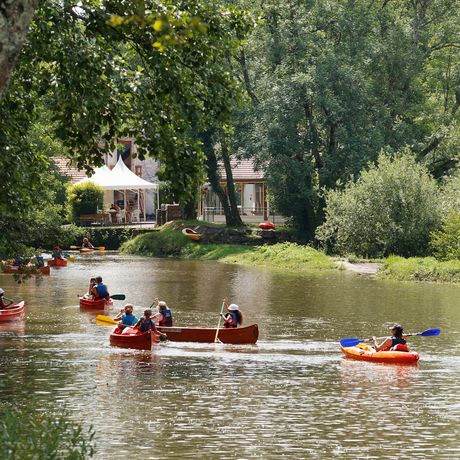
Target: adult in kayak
{"x":126,"y":317}
{"x":3,"y":301}
{"x":86,"y":244}
{"x":164,"y":315}
{"x":233,"y":317}
{"x":396,"y":342}
{"x":57,"y":253}
{"x":100,"y":290}
{"x":146,"y":324}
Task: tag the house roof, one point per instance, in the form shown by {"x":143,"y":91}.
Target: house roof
{"x":242,"y":170}
{"x":65,"y":169}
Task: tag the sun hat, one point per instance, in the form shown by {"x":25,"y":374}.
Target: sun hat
{"x":233,"y":307}
{"x":162,"y":303}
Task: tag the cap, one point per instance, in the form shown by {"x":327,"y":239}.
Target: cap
{"x":233,"y":307}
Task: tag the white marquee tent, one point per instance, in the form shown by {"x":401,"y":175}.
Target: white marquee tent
{"x":121,"y":178}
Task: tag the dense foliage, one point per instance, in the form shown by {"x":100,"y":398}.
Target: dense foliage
{"x":390,"y":209}
{"x":446,"y":241}
{"x":33,"y":434}
{"x":85,"y":198}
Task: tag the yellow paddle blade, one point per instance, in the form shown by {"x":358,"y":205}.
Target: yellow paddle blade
{"x":71,"y":259}
{"x":101,"y":248}
{"x":74,"y":247}
{"x":105,"y":320}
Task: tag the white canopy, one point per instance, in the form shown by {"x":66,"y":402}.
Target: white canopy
{"x":99,"y":175}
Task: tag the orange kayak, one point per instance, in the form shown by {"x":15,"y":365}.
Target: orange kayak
{"x":14,"y":269}
{"x":134,"y":339}
{"x":57,"y":263}
{"x":364,"y":352}
{"x":12,"y":312}
{"x":99,"y":304}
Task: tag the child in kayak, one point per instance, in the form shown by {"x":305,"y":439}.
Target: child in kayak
{"x":146,"y":324}
{"x":233,"y":317}
{"x":100,"y":290}
{"x":164,"y":315}
{"x":3,"y":301}
{"x":126,"y":318}
{"x":57,"y":253}
{"x":394,"y":343}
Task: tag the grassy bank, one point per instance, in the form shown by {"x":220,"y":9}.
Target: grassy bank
{"x":420,"y":269}
{"x":283,"y":256}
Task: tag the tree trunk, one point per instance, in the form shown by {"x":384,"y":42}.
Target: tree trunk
{"x":15,"y":19}
{"x":189,"y":208}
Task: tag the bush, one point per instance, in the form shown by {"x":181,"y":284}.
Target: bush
{"x":157,"y":244}
{"x":31,"y":435}
{"x":391,"y":209}
{"x":84,"y":198}
{"x":446,"y":241}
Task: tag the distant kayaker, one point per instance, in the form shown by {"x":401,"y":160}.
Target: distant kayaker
{"x":395,"y":342}
{"x":86,"y":244}
{"x":100,"y":290}
{"x":233,"y":317}
{"x":3,"y":301}
{"x":164,"y":315}
{"x":126,"y":317}
{"x":146,"y":324}
{"x":57,"y":253}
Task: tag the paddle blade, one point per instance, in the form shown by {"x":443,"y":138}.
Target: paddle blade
{"x":118,"y":297}
{"x":350,"y":342}
{"x":103,"y":320}
{"x":74,"y":247}
{"x":430,"y":332}
{"x":101,"y":248}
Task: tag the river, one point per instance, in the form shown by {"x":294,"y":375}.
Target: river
{"x":292,"y":395}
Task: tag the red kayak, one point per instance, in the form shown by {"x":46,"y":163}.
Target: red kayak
{"x":91,"y":304}
{"x":12,"y":312}
{"x":132,"y":339}
{"x":267,"y":225}
{"x":14,"y":269}
{"x":57,"y":263}
{"x":238,"y":335}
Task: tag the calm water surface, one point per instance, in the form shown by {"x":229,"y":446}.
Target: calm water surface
{"x":292,"y":395}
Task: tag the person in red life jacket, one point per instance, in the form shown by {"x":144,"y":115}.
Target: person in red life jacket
{"x":146,"y":324}
{"x":396,"y":342}
{"x":100,"y":291}
{"x":3,"y":301}
{"x":233,"y":317}
{"x":164,"y":315}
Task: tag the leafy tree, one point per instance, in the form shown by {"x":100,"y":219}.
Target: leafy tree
{"x":446,"y":241}
{"x":332,"y":83}
{"x":390,"y":209}
{"x":85,"y":198}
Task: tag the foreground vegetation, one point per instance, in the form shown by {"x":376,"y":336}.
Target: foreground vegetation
{"x":283,"y":256}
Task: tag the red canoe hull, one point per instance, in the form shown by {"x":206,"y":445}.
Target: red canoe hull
{"x":13,"y":312}
{"x":136,"y":341}
{"x":13,"y":269}
{"x":90,"y":304}
{"x":57,"y":263}
{"x":267,"y":225}
{"x":237,"y":336}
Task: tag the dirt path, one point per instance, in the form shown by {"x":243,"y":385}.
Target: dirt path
{"x":365,"y":268}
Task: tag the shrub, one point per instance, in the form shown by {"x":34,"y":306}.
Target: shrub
{"x":157,"y":244}
{"x":392,"y":208}
{"x":32,"y":434}
{"x":84,"y":198}
{"x":446,"y":241}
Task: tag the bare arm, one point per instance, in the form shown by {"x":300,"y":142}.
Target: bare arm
{"x":385,"y":345}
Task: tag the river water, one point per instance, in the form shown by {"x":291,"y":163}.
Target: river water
{"x":292,"y":395}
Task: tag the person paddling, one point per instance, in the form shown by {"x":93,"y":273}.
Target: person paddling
{"x":396,"y":342}
{"x":146,"y":324}
{"x":164,"y":315}
{"x":4,"y":303}
{"x":100,"y":290}
{"x":86,"y":244}
{"x":57,"y":253}
{"x":125,"y":317}
{"x":233,"y":317}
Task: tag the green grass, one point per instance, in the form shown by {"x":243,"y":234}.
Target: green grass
{"x":283,"y":256}
{"x":421,"y":269}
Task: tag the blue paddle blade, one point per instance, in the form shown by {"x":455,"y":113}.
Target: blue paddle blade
{"x":430,"y":332}
{"x":350,"y":342}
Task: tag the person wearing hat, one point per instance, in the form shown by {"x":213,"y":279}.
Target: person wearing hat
{"x":164,"y":315}
{"x":2,"y":300}
{"x":395,"y":342}
{"x":57,"y":253}
{"x":233,"y":317}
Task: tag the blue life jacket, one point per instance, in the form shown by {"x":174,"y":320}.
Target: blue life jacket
{"x":396,"y":340}
{"x":167,"y":318}
{"x":147,"y":324}
{"x":40,"y":261}
{"x":128,"y":320}
{"x":232,"y":320}
{"x":102,"y":291}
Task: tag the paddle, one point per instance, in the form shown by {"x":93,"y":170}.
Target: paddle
{"x":351,"y":342}
{"x":100,"y":248}
{"x":113,"y":297}
{"x":103,"y":320}
{"x":216,"y":340}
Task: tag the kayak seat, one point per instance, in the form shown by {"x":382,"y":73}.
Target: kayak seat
{"x":400,"y":347}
